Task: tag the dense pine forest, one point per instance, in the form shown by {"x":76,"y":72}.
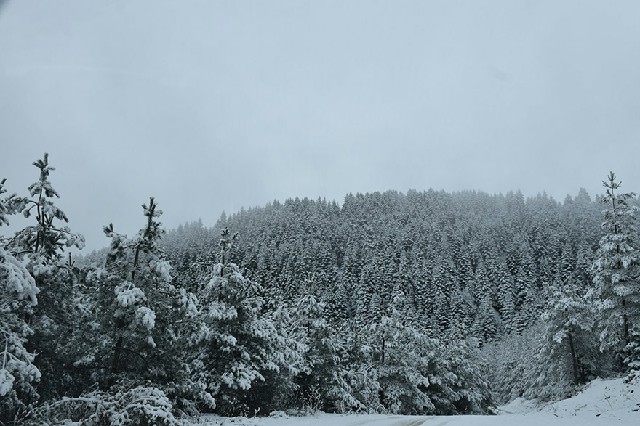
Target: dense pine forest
{"x":420,"y":303}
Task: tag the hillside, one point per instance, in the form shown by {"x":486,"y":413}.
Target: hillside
{"x":426,"y":304}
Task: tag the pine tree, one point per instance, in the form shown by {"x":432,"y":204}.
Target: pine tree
{"x":320,"y":349}
{"x":239,"y":346}
{"x":128,"y":343}
{"x":401,"y":356}
{"x":487,"y":320}
{"x":137,"y":282}
{"x":18,"y":291}
{"x":457,"y":379}
{"x":41,"y":247}
{"x":142,"y":321}
{"x":616,"y":275}
{"x":46,"y":238}
{"x":569,"y":335}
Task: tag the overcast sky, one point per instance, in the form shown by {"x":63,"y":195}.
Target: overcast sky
{"x":215,"y":105}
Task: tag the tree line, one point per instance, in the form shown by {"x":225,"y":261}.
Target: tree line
{"x":418,"y":303}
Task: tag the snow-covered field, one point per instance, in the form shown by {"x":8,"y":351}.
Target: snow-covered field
{"x":603,"y":402}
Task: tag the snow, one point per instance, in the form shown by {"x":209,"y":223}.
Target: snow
{"x":605,"y":399}
{"x":602,"y":402}
{"x":163,"y":268}
{"x":128,"y":294}
{"x":146,"y":317}
{"x":6,"y":382}
{"x":18,"y":280}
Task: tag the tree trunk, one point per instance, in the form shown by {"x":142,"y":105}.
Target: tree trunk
{"x":625,"y":323}
{"x":574,"y":359}
{"x":115,"y":362}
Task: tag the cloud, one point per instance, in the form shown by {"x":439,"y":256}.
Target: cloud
{"x":214,"y":105}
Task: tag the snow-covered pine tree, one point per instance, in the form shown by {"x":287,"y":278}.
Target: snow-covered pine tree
{"x":567,"y":316}
{"x":41,"y":247}
{"x":353,"y":386}
{"x":517,"y":368}
{"x":457,"y":377}
{"x":487,"y":320}
{"x":401,"y":356}
{"x":569,"y":354}
{"x":143,"y":320}
{"x":18,"y":374}
{"x":285,"y":351}
{"x":18,"y":291}
{"x":46,"y":239}
{"x":130,"y":341}
{"x":318,"y":383}
{"x":616,"y":275}
{"x":239,"y":346}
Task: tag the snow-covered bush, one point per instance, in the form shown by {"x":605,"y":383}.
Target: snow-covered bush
{"x":121,"y":405}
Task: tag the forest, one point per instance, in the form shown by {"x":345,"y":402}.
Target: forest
{"x":425,"y":302}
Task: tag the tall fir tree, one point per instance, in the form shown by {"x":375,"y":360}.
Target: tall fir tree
{"x":616,"y":275}
{"x":570,"y":344}
{"x":47,"y":238}
{"x":240,"y":347}
{"x":41,"y":247}
{"x":142,"y":321}
{"x":18,"y":297}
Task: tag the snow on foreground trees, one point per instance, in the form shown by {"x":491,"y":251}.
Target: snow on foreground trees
{"x":17,"y":298}
{"x":424,"y":304}
{"x":617,"y":277}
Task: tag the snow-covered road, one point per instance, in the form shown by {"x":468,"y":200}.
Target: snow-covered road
{"x":530,"y":419}
{"x":601,"y":403}
{"x":389,"y":421}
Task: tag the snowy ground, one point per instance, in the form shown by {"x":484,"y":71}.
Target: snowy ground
{"x":603,"y":402}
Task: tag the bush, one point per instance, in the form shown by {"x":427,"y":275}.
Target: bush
{"x":141,"y":406}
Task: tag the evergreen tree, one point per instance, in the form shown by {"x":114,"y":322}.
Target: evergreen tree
{"x":569,"y":341}
{"x":317,"y":381}
{"x":402,"y":355}
{"x":239,"y":345}
{"x":46,"y":238}
{"x":137,"y":283}
{"x":18,"y":290}
{"x":41,"y":248}
{"x":616,"y":275}
{"x":142,"y":322}
{"x":458,"y":379}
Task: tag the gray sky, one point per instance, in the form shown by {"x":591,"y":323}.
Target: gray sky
{"x":215,"y":105}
